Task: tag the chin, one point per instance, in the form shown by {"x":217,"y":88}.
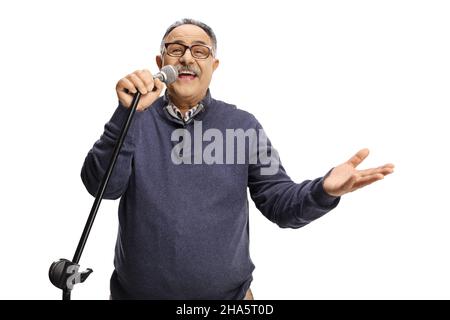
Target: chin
{"x":185,"y":91}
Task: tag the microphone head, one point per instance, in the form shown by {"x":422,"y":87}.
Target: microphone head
{"x":170,"y":74}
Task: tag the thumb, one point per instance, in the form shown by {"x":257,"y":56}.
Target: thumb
{"x":159,"y":85}
{"x":358,"y":157}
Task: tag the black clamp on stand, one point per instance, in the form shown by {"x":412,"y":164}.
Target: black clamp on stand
{"x":64,"y":275}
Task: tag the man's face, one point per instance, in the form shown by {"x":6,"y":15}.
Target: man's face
{"x":189,"y":88}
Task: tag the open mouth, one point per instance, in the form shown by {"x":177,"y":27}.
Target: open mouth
{"x":187,"y":75}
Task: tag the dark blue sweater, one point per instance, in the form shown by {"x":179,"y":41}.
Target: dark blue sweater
{"x":183,"y":228}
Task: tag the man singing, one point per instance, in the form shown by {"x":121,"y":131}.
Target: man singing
{"x":182,"y":176}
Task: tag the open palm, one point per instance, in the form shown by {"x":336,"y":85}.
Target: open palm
{"x":346,"y":178}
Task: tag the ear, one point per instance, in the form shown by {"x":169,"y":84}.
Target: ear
{"x":159,"y":61}
{"x":215,"y":64}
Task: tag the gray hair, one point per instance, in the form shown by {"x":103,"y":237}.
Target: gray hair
{"x":194,"y":22}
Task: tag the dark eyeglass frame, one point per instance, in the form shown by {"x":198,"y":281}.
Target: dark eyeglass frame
{"x":190,"y":49}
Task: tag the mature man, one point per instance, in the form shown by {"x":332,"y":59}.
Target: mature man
{"x":183,"y":214}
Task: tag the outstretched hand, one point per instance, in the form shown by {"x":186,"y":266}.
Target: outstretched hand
{"x":346,"y":178}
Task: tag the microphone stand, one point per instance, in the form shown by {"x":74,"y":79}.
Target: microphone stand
{"x":64,"y":273}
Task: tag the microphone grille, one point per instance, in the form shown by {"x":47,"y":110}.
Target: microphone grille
{"x":170,"y":72}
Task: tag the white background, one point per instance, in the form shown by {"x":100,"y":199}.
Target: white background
{"x":325,"y":78}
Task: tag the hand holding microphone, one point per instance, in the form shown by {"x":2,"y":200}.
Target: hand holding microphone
{"x":150,"y":86}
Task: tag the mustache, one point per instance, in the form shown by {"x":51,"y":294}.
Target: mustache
{"x":188,"y":68}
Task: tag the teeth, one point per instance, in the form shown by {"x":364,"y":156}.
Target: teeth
{"x":187,"y":72}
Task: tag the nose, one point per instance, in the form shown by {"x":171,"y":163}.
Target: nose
{"x":187,"y":58}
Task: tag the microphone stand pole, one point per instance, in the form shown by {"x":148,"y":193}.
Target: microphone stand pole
{"x":64,"y":273}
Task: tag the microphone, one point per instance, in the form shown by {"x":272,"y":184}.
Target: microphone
{"x":167,"y":74}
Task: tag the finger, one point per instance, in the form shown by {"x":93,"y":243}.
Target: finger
{"x":358,"y":157}
{"x":124,"y":90}
{"x":124,"y":98}
{"x":365,"y":181}
{"x":387,"y":165}
{"x":159,"y":85}
{"x":138,"y":83}
{"x":383,"y":170}
{"x":126,"y":85}
{"x":147,"y":78}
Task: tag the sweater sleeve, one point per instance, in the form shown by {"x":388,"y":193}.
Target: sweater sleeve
{"x":282,"y":201}
{"x":98,"y":158}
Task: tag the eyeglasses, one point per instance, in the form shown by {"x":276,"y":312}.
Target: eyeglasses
{"x":198,"y":51}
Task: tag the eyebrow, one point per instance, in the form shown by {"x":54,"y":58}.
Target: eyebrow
{"x":193,"y":42}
